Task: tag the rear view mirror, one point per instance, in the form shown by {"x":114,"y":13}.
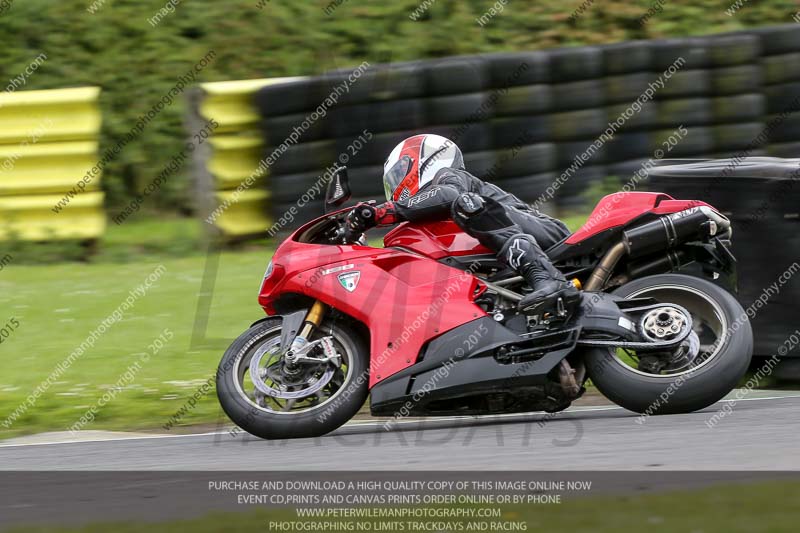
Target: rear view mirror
{"x":338,"y":189}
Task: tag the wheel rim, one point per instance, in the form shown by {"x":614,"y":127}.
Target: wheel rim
{"x":708,"y":323}
{"x":269,"y":341}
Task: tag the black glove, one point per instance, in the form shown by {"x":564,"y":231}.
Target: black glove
{"x":358,"y":220}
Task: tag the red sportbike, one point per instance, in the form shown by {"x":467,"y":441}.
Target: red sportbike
{"x":428,"y":324}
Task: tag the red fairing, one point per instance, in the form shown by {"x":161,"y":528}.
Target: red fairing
{"x":434,"y":239}
{"x":404,"y":300}
{"x":620,"y":208}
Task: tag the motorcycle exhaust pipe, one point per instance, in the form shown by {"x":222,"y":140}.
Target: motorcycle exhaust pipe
{"x":670,"y":262}
{"x":670,"y":231}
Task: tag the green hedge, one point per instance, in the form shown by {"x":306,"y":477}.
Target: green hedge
{"x":136,"y":64}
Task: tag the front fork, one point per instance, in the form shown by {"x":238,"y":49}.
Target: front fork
{"x":311,"y":321}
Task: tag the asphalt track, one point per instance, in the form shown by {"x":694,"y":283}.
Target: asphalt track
{"x":759,"y":433}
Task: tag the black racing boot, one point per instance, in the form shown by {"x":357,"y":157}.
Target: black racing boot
{"x":524,"y":255}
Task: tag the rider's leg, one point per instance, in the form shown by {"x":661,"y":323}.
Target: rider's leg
{"x":488,"y":221}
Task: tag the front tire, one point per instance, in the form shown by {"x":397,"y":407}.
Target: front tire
{"x":266,"y":418}
{"x":726,"y":359}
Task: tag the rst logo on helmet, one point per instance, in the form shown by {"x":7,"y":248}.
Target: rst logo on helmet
{"x":349,"y":280}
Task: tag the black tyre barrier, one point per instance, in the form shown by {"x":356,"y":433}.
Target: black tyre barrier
{"x":373,"y":151}
{"x":470,"y":137}
{"x":630,"y":173}
{"x":572,"y":125}
{"x":572,"y":64}
{"x":739,"y":108}
{"x":790,"y":150}
{"x":522,"y":161}
{"x":645,"y":118}
{"x":573,"y":193}
{"x":685,"y":111}
{"x":630,"y":56}
{"x":781,"y":68}
{"x":294,"y":214}
{"x":698,"y":141}
{"x":367,"y":181}
{"x":397,"y":81}
{"x":396,"y":115}
{"x":288,"y":188}
{"x":734,"y":137}
{"x":749,"y":152}
{"x":781,"y":39}
{"x":627,"y":145}
{"x":761,"y":262}
{"x":524,"y":99}
{"x":454,"y":108}
{"x":782,"y":97}
{"x":509,"y":132}
{"x":627,"y":87}
{"x":733,"y":49}
{"x":301,"y":96}
{"x":786,"y":128}
{"x":304,"y":157}
{"x":522,"y":68}
{"x":693,"y":50}
{"x":481,"y":164}
{"x":528,"y":188}
{"x":464,"y":74}
{"x":567,"y":152}
{"x":685,"y":84}
{"x":278,"y":129}
{"x":736,"y":80}
{"x":578,"y":95}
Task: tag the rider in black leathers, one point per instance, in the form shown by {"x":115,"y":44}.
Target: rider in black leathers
{"x":497,"y":219}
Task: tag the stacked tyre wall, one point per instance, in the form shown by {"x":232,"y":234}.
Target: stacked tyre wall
{"x":523,"y":119}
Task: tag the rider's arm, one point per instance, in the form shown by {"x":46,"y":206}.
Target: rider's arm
{"x":432,"y":202}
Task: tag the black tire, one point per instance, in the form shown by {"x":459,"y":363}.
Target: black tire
{"x":286,"y":98}
{"x":454,"y":75}
{"x":740,"y":108}
{"x":508,"y":132}
{"x":700,"y":388}
{"x":733,"y":49}
{"x":685,"y":84}
{"x":790,"y":150}
{"x":686,"y":111}
{"x":693,"y":50}
{"x":645,"y":119}
{"x":313,"y":422}
{"x":627,"y":146}
{"x":522,"y":161}
{"x":699,"y":141}
{"x":289,"y":188}
{"x":628,"y":56}
{"x":520,"y":68}
{"x":522,"y":100}
{"x":304,"y":157}
{"x":627,"y":88}
{"x":736,"y":80}
{"x":782,"y":96}
{"x":277,"y":129}
{"x":735,"y":137}
{"x":781,"y":39}
{"x":453,"y":109}
{"x":781,"y":68}
{"x":577,"y":63}
{"x":470,"y":136}
{"x":578,"y":95}
{"x":583,"y":124}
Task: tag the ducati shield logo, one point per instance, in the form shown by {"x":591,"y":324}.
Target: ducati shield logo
{"x":350,"y":280}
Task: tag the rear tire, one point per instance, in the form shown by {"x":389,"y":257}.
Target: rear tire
{"x":678,"y":393}
{"x":313,"y":422}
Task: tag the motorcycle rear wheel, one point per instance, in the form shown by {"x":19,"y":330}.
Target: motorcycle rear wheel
{"x":311,"y":416}
{"x":716,"y":316}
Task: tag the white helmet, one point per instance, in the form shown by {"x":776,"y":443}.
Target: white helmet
{"x":414,"y":162}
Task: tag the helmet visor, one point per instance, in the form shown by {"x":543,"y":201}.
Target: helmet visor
{"x":395,"y":175}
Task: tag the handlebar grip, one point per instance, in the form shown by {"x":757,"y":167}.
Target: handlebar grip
{"x":366,"y":214}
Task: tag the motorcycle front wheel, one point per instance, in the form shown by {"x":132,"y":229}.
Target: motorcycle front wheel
{"x":310,"y":401}
{"x":723,"y":357}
